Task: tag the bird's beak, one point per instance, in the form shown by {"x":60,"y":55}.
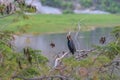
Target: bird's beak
{"x":68,"y":34}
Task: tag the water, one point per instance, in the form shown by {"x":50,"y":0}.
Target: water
{"x":42,"y":42}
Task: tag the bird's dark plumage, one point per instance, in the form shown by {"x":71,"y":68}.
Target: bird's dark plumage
{"x":71,"y":45}
{"x":52,"y":44}
{"x":102,"y":40}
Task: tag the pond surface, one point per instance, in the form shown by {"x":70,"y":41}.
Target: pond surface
{"x":42,"y":42}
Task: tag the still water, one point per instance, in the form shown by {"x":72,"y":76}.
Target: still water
{"x":42,"y":42}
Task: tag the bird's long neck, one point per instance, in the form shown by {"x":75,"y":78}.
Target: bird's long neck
{"x":69,"y":40}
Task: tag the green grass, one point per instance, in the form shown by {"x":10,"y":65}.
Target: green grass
{"x":42,"y":23}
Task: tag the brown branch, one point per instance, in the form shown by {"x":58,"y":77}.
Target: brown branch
{"x":43,"y":77}
{"x":83,"y":54}
{"x":114,"y":63}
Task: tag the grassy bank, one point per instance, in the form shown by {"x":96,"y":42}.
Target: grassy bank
{"x":59,"y":23}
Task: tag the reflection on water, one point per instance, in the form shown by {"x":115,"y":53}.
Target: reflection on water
{"x":42,"y":42}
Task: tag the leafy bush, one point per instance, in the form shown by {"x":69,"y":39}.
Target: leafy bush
{"x":68,"y":11}
{"x":86,"y":3}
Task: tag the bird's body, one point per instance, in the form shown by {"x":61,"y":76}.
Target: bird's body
{"x":71,"y":45}
{"x":102,"y":40}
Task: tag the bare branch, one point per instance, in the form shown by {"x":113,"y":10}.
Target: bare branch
{"x":76,"y":36}
{"x":43,"y":77}
{"x":114,"y":63}
{"x":83,"y":53}
{"x":58,"y":59}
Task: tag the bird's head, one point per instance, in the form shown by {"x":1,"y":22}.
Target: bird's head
{"x":68,"y":37}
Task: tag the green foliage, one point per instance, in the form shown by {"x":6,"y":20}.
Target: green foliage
{"x":86,"y":62}
{"x":112,"y":49}
{"x":7,"y":55}
{"x":67,"y":5}
{"x":106,"y":5}
{"x":54,"y":3}
{"x":32,"y":71}
{"x":116,"y":33}
{"x":36,"y":54}
{"x":30,"y":9}
{"x":12,"y":61}
{"x":42,"y":59}
{"x":29,"y":72}
{"x":103,"y":59}
{"x":112,"y":6}
{"x":64,"y":5}
{"x":86,"y":3}
{"x":68,"y":11}
{"x":71,"y":61}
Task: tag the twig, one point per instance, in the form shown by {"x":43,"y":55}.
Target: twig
{"x":85,"y":50}
{"x":43,"y":77}
{"x":112,"y":63}
{"x":76,"y":36}
{"x":111,"y":74}
{"x":1,"y":56}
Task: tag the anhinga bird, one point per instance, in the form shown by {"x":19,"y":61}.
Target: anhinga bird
{"x":102,"y":40}
{"x":70,"y":44}
{"x":52,"y":44}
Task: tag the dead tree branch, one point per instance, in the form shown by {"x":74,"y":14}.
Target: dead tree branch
{"x":82,"y":54}
{"x":114,"y":63}
{"x":43,"y":77}
{"x":76,"y":36}
{"x":59,"y":59}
